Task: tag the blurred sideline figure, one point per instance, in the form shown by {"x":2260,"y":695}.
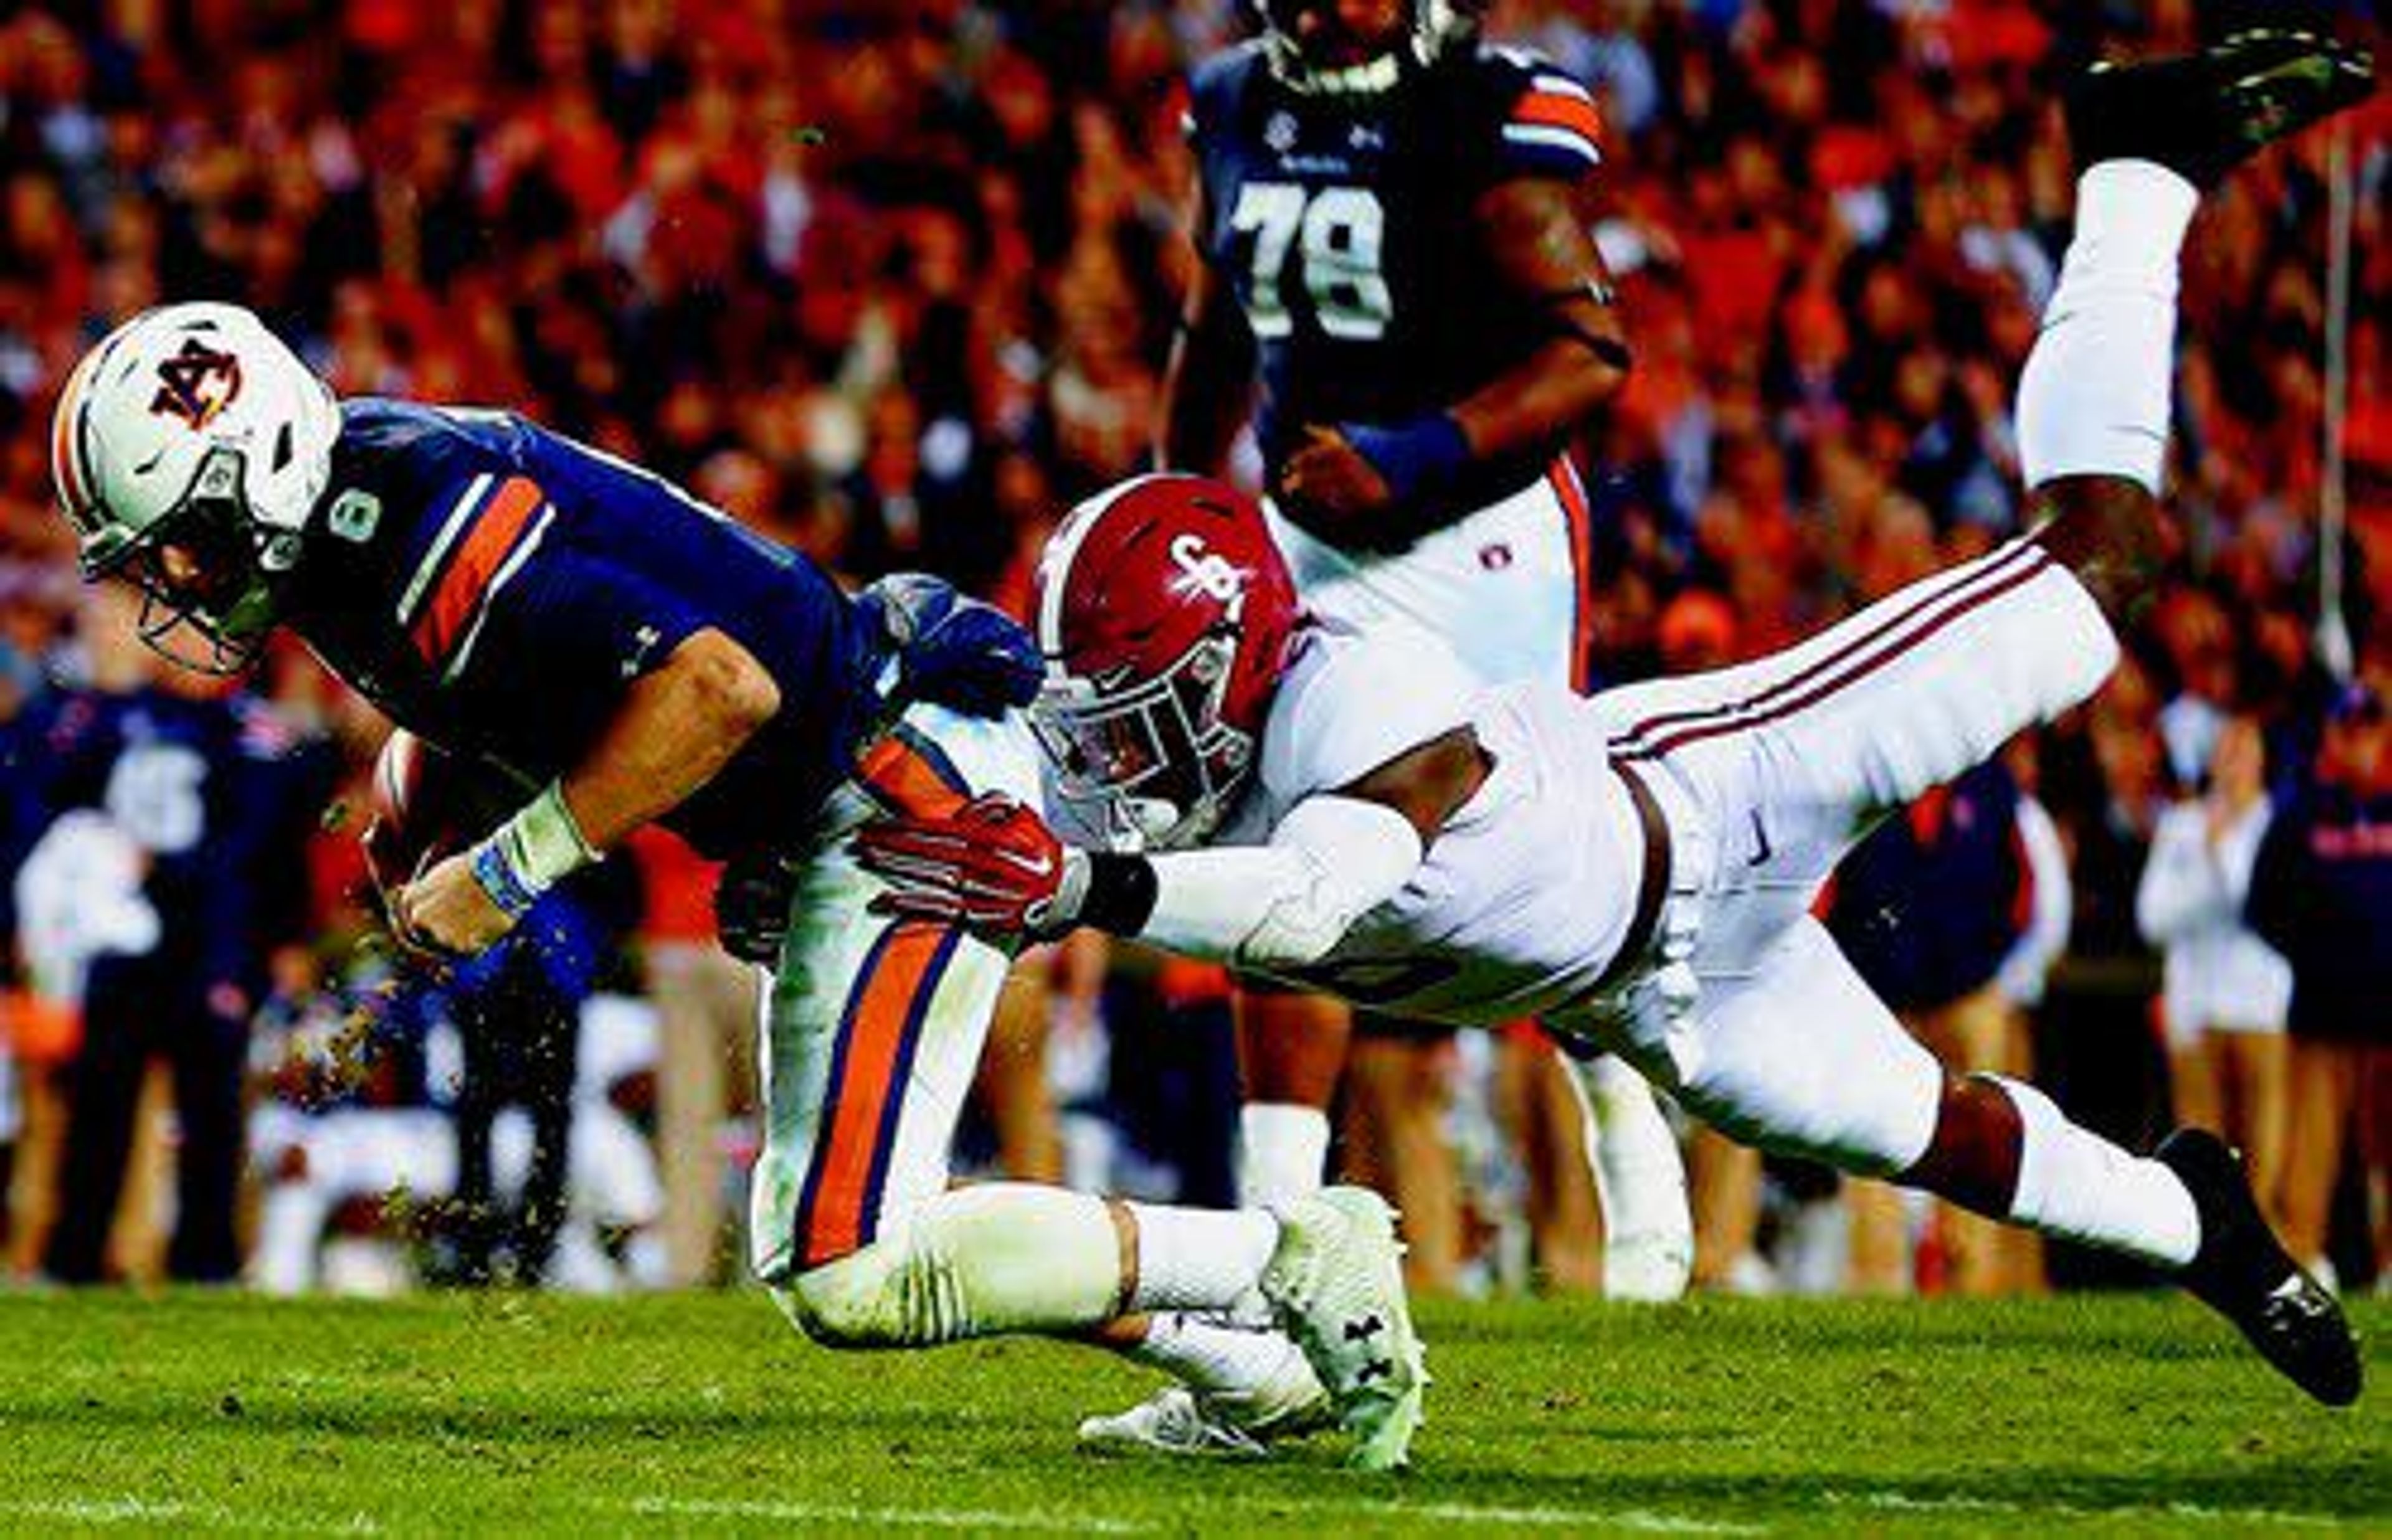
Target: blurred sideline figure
{"x":2227,"y":991}
{"x":2321,"y":894}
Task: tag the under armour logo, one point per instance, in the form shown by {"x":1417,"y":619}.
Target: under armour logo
{"x":643,"y":640}
{"x":196,"y":384}
{"x":1364,"y":1330}
{"x":1207,"y":572}
{"x":1377,"y":1368}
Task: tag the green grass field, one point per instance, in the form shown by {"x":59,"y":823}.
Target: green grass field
{"x":703,"y":1414}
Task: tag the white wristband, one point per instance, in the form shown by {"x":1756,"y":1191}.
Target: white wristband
{"x":541,"y":843}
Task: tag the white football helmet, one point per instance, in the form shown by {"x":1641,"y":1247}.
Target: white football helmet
{"x":192,"y":429}
{"x":1311,"y":51}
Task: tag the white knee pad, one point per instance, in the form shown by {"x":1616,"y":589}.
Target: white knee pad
{"x":1003,"y":1257}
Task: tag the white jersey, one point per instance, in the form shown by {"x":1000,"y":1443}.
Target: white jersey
{"x":1529,"y":889}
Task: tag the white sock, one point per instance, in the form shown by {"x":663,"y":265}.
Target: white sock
{"x":1207,"y":1354}
{"x":1281,"y":1147}
{"x":1199,"y":1258}
{"x":1638,"y":1173}
{"x":2093,"y":398}
{"x":2075,"y":1184}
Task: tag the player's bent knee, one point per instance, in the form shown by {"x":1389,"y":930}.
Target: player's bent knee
{"x":852,"y":1303}
{"x":2107,"y":530}
{"x":1001,"y":1257}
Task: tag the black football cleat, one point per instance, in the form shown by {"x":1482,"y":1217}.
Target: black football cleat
{"x":2246,"y":1277}
{"x":2203,"y":114}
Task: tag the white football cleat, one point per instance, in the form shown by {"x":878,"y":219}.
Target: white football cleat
{"x":1288,"y":1402}
{"x":1336,"y":1283}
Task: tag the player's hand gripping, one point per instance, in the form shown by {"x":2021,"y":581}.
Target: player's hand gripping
{"x":1329,"y":486}
{"x":992,"y":864}
{"x":446,"y":912}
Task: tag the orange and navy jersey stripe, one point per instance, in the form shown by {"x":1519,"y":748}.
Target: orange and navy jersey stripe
{"x":906,"y":772}
{"x":1553,"y":125}
{"x":872,"y":1062}
{"x":490,"y":530}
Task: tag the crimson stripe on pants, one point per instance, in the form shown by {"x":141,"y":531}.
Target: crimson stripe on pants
{"x":1971,"y":590}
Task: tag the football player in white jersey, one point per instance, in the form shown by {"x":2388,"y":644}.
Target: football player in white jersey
{"x":1348,"y":811}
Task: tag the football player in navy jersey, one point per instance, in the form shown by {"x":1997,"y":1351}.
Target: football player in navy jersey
{"x":1394,"y":228}
{"x":626,"y":655}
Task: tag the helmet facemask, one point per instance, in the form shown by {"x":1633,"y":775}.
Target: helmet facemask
{"x":1150,"y":765}
{"x":1430,"y":30}
{"x":208,"y":570}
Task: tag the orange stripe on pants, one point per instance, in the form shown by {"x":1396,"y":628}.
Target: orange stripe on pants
{"x":907,"y":780}
{"x":839,"y":1211}
{"x":1580,"y":520}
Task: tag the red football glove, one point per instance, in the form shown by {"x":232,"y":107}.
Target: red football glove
{"x":992,"y":864}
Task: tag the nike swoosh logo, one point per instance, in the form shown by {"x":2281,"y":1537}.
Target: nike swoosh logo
{"x":1043,"y":867}
{"x":1762,"y":849}
{"x":2295,"y":1291}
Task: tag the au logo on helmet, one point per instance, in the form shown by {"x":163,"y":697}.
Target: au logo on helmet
{"x":196,"y":384}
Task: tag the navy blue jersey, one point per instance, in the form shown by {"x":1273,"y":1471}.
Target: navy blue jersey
{"x":206,"y":787}
{"x":2321,"y":894}
{"x":1344,"y":226}
{"x":497,"y":588}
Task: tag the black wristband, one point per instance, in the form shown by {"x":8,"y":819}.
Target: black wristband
{"x":1120,"y":893}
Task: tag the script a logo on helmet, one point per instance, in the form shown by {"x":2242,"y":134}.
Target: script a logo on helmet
{"x":1207,"y":572}
{"x":196,"y":384}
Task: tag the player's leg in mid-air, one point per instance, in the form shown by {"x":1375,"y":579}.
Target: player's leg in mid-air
{"x":873,"y":1030}
{"x":1790,"y":761}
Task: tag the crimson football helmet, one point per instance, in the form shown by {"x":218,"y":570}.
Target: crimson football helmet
{"x":1165,"y":612}
{"x":1339,"y":47}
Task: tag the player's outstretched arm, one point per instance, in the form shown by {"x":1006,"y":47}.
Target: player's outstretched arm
{"x":993,"y":865}
{"x":678,"y":726}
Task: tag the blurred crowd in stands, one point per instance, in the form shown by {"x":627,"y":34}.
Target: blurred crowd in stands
{"x":893,"y":283}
